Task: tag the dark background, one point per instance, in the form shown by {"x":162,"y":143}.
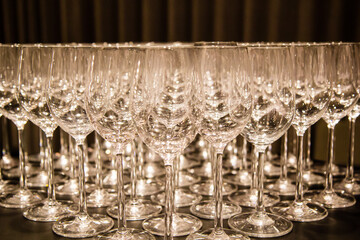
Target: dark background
{"x":52,"y":21}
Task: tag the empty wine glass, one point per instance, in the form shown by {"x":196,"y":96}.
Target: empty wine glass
{"x":66,"y":99}
{"x":313,"y":76}
{"x":162,"y":115}
{"x":7,"y":161}
{"x":343,"y":100}
{"x":222,"y":105}
{"x":273,"y":110}
{"x":34,"y":74}
{"x":10,"y":108}
{"x":108,"y":106}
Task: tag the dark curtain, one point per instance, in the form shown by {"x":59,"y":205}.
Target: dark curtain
{"x":50,"y":21}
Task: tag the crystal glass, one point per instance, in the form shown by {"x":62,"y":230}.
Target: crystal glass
{"x":34,"y":74}
{"x":348,"y":184}
{"x":343,"y":100}
{"x":10,"y":108}
{"x":70,"y":66}
{"x":108,"y":105}
{"x":7,"y":161}
{"x":273,"y":110}
{"x":162,"y":115}
{"x":222,"y":105}
{"x":313,"y":76}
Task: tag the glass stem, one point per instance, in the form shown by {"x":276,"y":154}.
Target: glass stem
{"x":350,"y":163}
{"x":284,"y":157}
{"x":169,"y":202}
{"x":299,"y":169}
{"x":141,"y":159}
{"x":72,"y":156}
{"x":5,"y":138}
{"x":42,"y":153}
{"x":254,"y":166}
{"x":50,"y":168}
{"x":218,"y":220}
{"x":308,"y":150}
{"x":22,"y":160}
{"x":98,"y":162}
{"x":120,"y":158}
{"x":244,"y":154}
{"x":330,"y":158}
{"x":177,"y":172}
{"x":133,"y":172}
{"x":260,"y":207}
{"x":81,"y":158}
{"x":64,"y":144}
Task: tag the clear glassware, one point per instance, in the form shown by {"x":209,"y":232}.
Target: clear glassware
{"x":313,"y":76}
{"x":162,"y":115}
{"x":10,"y":108}
{"x":70,"y":66}
{"x":33,"y":76}
{"x":62,"y":162}
{"x":7,"y":161}
{"x":273,"y":110}
{"x":222,"y":104}
{"x":108,"y":105}
{"x":343,"y":100}
{"x":349,"y":184}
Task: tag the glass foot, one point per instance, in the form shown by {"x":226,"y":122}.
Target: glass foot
{"x":299,"y":211}
{"x":223,"y":234}
{"x":146,"y":187}
{"x":126,"y":234}
{"x":206,"y":209}
{"x":205,"y":170}
{"x":15,"y":172}
{"x":50,"y":211}
{"x":283,"y":187}
{"x":62,"y":163}
{"x":206,"y":188}
{"x":110,"y":180}
{"x":8,"y":162}
{"x":349,"y":186}
{"x":185,"y":179}
{"x":138,"y":209}
{"x":100,"y":198}
{"x":336,"y":170}
{"x":183,"y":198}
{"x":82,"y":225}
{"x":311,"y":178}
{"x":248,"y":198}
{"x":183,"y":224}
{"x":260,"y":224}
{"x":7,"y":187}
{"x":20,"y":199}
{"x":186,"y":163}
{"x":292,"y":161}
{"x":71,"y":188}
{"x":331,"y":199}
{"x":271,"y":170}
{"x":41,"y":180}
{"x":241,"y":178}
{"x":153,"y":169}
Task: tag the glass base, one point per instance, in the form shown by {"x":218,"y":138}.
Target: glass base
{"x":206,"y":188}
{"x":7,"y":187}
{"x":15,"y":172}
{"x":20,"y":199}
{"x":271,"y":170}
{"x":349,"y":186}
{"x":206,"y":209}
{"x":220,"y":234}
{"x":241,"y":178}
{"x":205,"y":170}
{"x":292,"y":161}
{"x":90,"y":170}
{"x":41,"y":180}
{"x":311,"y":178}
{"x":235,"y":163}
{"x":182,"y":224}
{"x":336,"y":170}
{"x":248,"y":198}
{"x":8,"y":162}
{"x":151,"y":156}
{"x":138,"y":209}
{"x":71,"y":188}
{"x":62,"y":163}
{"x":260,"y":224}
{"x":183,"y":198}
{"x":186,"y":163}
{"x":185,"y":179}
{"x":110,"y":180}
{"x":331,"y":199}
{"x":153,"y":169}
{"x":50,"y":211}
{"x":100,"y":198}
{"x":126,"y":234}
{"x":283,"y":187}
{"x":146,"y":187}
{"x":300,"y":211}
{"x":82,"y":225}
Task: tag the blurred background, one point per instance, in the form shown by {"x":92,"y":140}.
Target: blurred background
{"x":63,"y":21}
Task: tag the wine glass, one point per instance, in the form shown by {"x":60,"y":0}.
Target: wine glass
{"x":108,"y":105}
{"x":222,"y":105}
{"x":162,"y":115}
{"x":7,"y":161}
{"x":34,"y":74}
{"x":343,"y":100}
{"x":66,"y":100}
{"x":10,"y":108}
{"x":273,"y":110}
{"x":348,"y":184}
{"x":313,"y":76}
